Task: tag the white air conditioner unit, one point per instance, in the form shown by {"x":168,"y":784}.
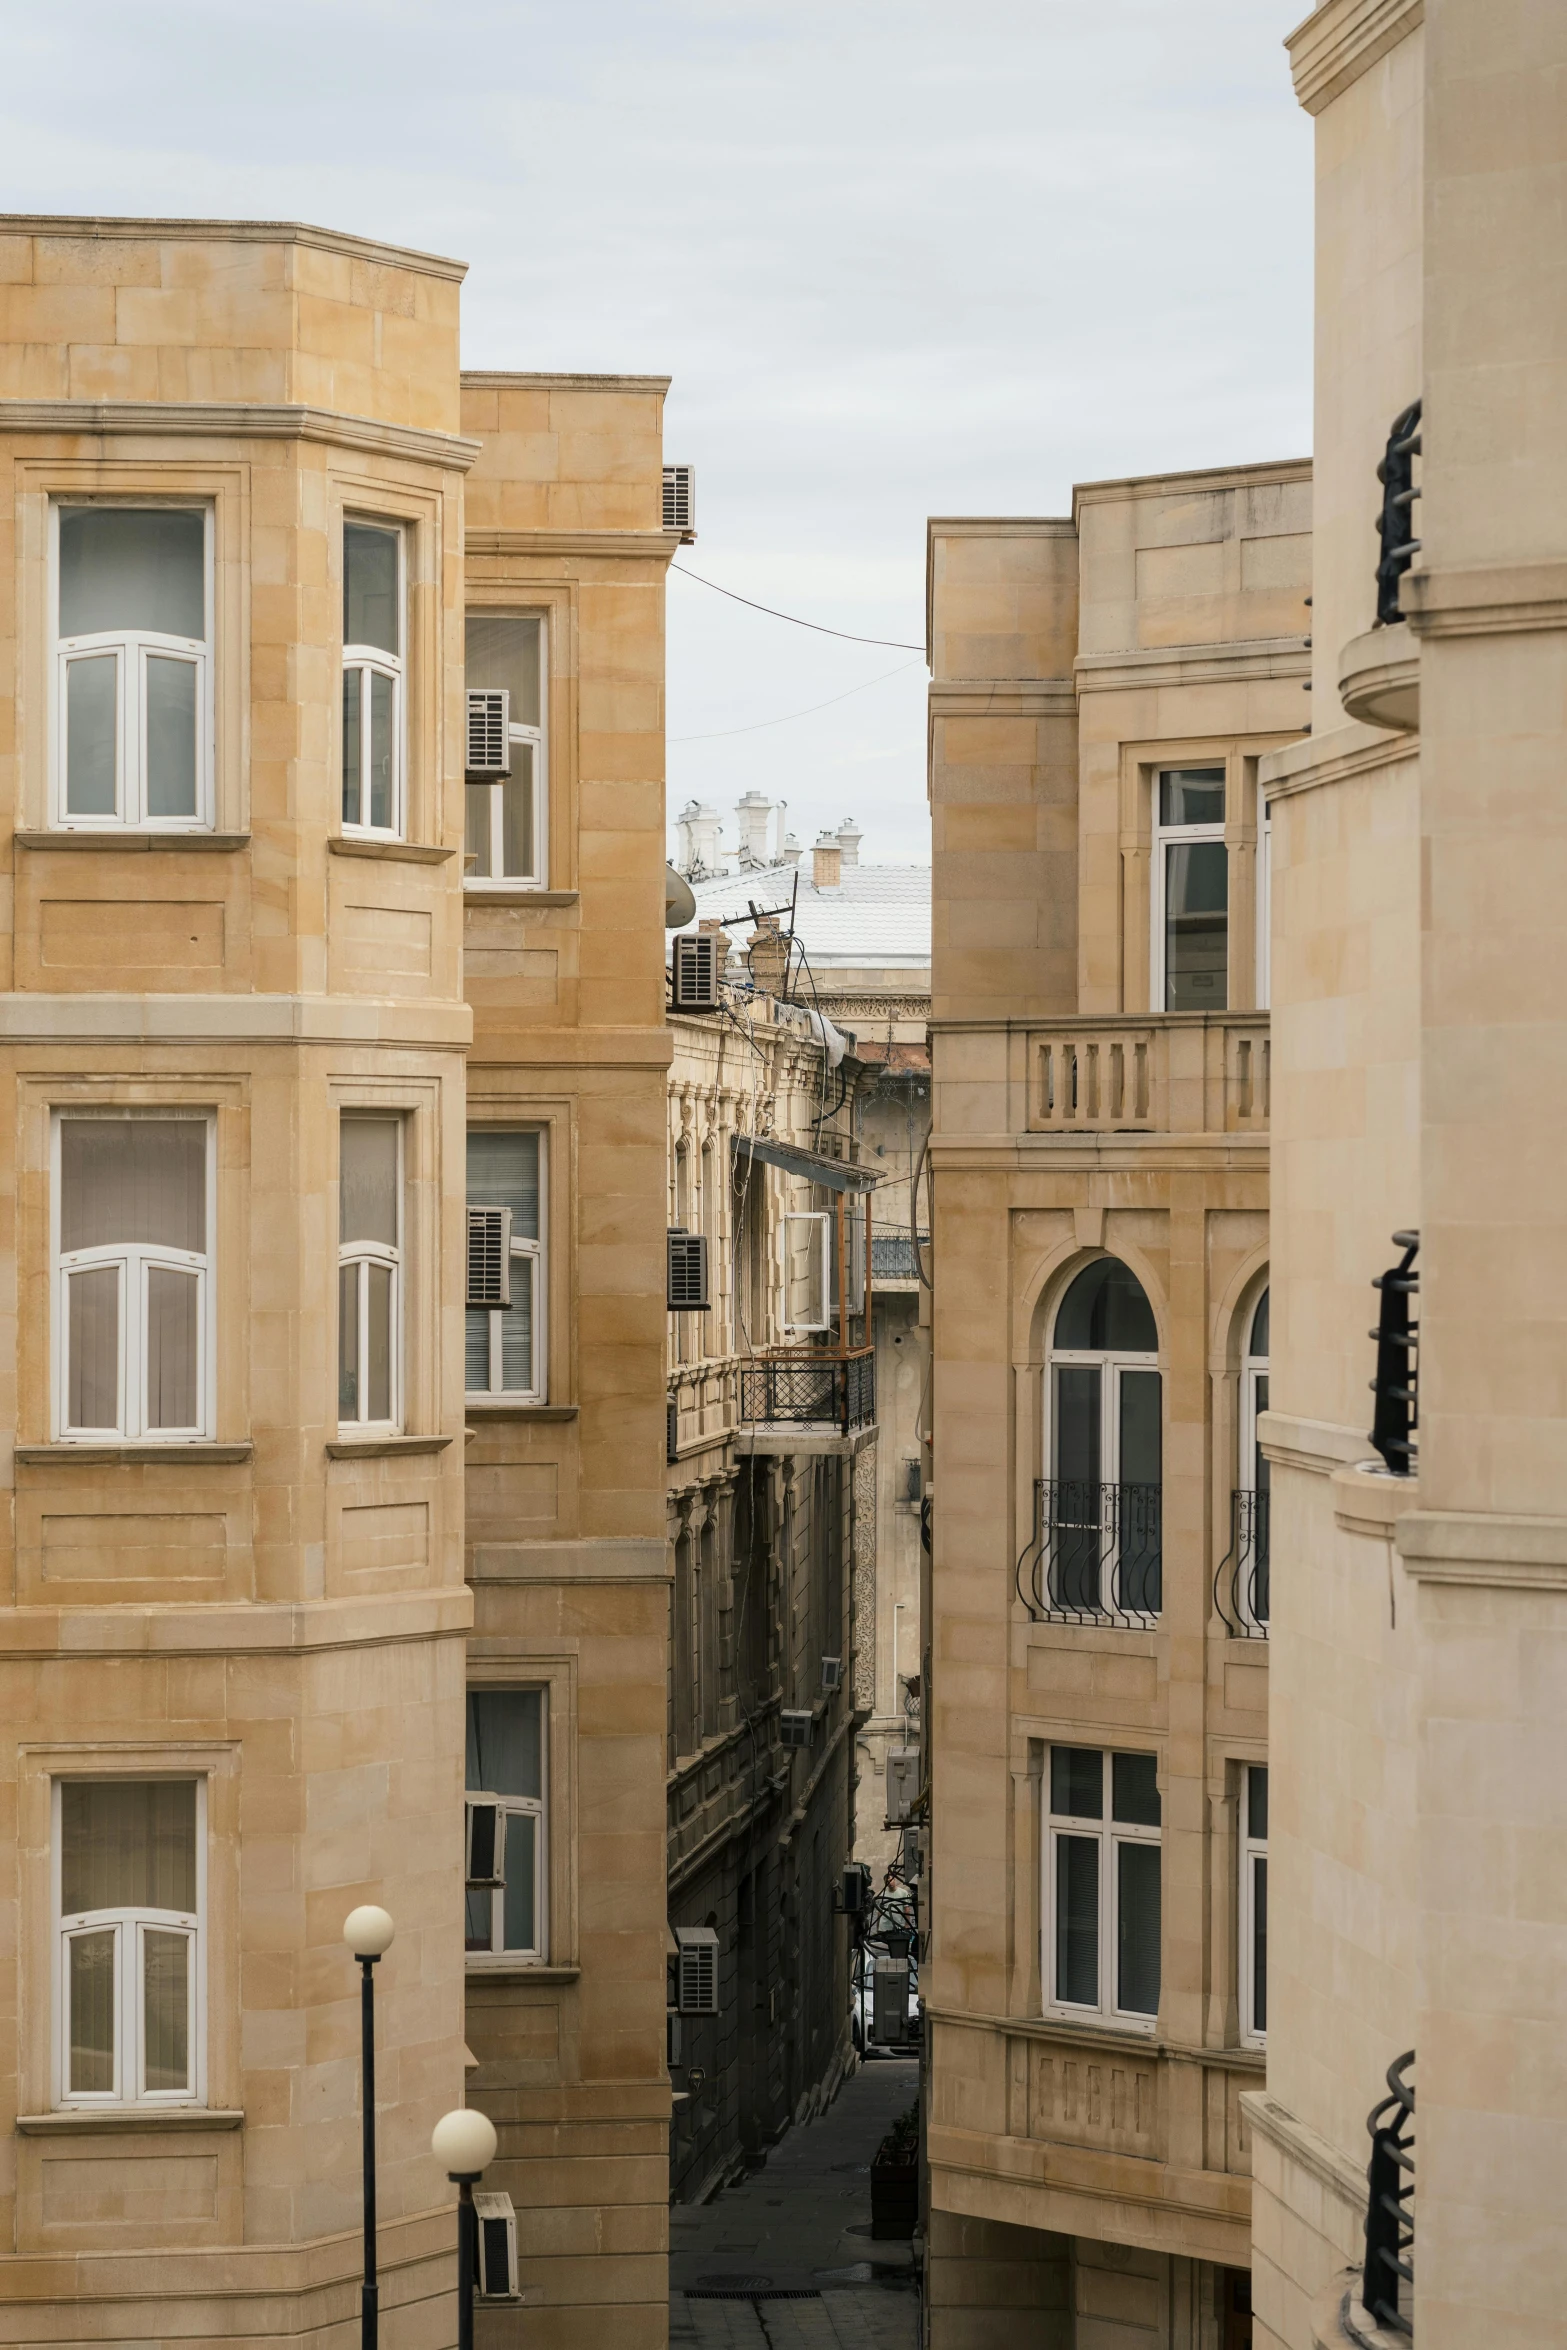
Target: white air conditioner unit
{"x":832,"y":1672}
{"x":807,"y":1256}
{"x":686,"y":1289}
{"x":891,"y":2025}
{"x":795,"y":1723}
{"x":486,"y":1842}
{"x":489,"y":731}
{"x":497,"y":2230}
{"x":693,"y":972}
{"x":489,"y":1256}
{"x":903,"y":1784}
{"x":696,"y":1970}
{"x":680,"y":499}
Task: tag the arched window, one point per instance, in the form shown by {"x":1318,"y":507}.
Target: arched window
{"x":1103,"y":1515}
{"x":1251,"y":1500}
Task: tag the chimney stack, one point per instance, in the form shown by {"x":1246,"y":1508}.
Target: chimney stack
{"x":698,"y":829}
{"x":751,"y":815}
{"x":767,"y":953}
{"x":849,"y":839}
{"x":827,"y":862}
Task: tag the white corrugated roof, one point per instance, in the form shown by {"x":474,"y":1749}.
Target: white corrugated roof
{"x":879,"y":914}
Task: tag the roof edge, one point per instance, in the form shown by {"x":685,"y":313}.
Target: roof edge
{"x":488,"y":379}
{"x":154,"y":229}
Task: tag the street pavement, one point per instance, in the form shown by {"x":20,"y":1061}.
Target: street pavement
{"x":801,"y":2226}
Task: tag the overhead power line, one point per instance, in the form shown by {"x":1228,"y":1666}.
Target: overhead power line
{"x":789,"y":716}
{"x":894,"y":644}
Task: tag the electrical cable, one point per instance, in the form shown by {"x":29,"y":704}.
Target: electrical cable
{"x":762,"y":724}
{"x":895,"y":644}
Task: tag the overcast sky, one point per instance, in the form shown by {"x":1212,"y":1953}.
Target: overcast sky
{"x":899,"y":260}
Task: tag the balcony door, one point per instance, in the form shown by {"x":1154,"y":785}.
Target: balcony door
{"x":1104,"y":1493}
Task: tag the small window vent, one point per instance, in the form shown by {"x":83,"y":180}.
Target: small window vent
{"x":696,"y":1970}
{"x":680,"y":499}
{"x":489,"y":1256}
{"x":794,"y":1723}
{"x":489,"y":732}
{"x":693,"y":972}
{"x":496,"y":2222}
{"x":687,"y":1272}
{"x":486,"y":1842}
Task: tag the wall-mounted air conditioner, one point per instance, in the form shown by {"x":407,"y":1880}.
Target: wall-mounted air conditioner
{"x":832,"y":1673}
{"x":693,"y":972}
{"x":891,"y":2024}
{"x":903,"y":1783}
{"x":497,"y":2229}
{"x":486,"y":1842}
{"x":696,"y":1970}
{"x":686,"y":1291}
{"x":489,"y":731}
{"x":680,"y":499}
{"x":795,"y":1723}
{"x":489,"y":1256}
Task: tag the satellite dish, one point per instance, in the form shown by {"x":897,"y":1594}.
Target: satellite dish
{"x":679,"y":900}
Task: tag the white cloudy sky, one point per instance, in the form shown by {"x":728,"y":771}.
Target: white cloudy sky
{"x":899,"y":259}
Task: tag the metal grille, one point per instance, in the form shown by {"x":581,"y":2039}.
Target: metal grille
{"x":693,"y":972}
{"x":1240,"y":1587}
{"x":1388,"y":2284}
{"x":489,"y":1256}
{"x":811,"y":1390}
{"x":687,"y":1272}
{"x":489,"y":732}
{"x":1396,"y":473}
{"x":680,"y":497}
{"x":1096,"y":1553}
{"x":893,"y":1256}
{"x":699,"y":1978}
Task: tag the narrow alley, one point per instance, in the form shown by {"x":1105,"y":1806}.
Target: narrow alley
{"x":786,"y":2260}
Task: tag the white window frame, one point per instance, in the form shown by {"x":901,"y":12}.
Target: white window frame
{"x":134,"y":1261}
{"x":539,"y":737}
{"x":1110,"y":1366}
{"x":535,"y":1252}
{"x":1110,"y":1834}
{"x":1166,"y":837}
{"x":364,"y":1253}
{"x":1253,"y":1850}
{"x":819,"y":1245}
{"x":131,"y":648}
{"x":1253,"y":1369}
{"x":129,"y":1927}
{"x":536,"y":1808}
{"x":375,"y":658}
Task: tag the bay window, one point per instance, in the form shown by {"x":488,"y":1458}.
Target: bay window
{"x":1102,"y":1871}
{"x":370,"y":1266}
{"x":374,"y":720}
{"x":129,"y":1993}
{"x":506,"y":1827}
{"x":507,"y":815}
{"x":1191,"y":891}
{"x":504,"y":1340}
{"x":133,"y":674}
{"x":133,"y":1344}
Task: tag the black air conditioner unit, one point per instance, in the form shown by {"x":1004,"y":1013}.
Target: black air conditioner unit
{"x":693,"y":972}
{"x":680,"y":499}
{"x":489,"y":732}
{"x":489,"y":1257}
{"x":687,"y":1281}
{"x":696,"y":1970}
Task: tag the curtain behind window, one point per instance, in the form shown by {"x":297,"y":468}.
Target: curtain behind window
{"x":127,"y":1844}
{"x":133,"y":1180}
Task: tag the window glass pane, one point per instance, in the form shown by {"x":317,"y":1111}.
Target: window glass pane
{"x":478,"y":1919}
{"x":1137,"y":1942}
{"x":133,"y":1179}
{"x":517,"y":1330}
{"x":476,"y":1350}
{"x":1079,"y":1392}
{"x":127,"y":1844}
{"x":503,"y":655}
{"x":1139,"y":1496}
{"x":1257,"y":1805}
{"x":348,"y":1341}
{"x":1077,"y":1782}
{"x":503,"y":1172}
{"x":1077,"y":1920}
{"x":92,"y":2013}
{"x":91,"y":735}
{"x":370,"y":615}
{"x":93,"y":1377}
{"x":1259,"y":1943}
{"x":517,"y":813}
{"x":381,"y":697}
{"x":505,"y":1728}
{"x":378,"y":1344}
{"x":1196,"y":919}
{"x":171,"y":1348}
{"x":367,"y":1180}
{"x":1140,"y":1442}
{"x":476,"y":838}
{"x":1106,"y":1311}
{"x":1191,"y":795}
{"x":353,"y":778}
{"x":1134,"y":1789}
{"x":171,"y":737}
{"x":165,"y":2010}
{"x":1259,"y":1328}
{"x":132,"y":567}
{"x":520,"y":1925}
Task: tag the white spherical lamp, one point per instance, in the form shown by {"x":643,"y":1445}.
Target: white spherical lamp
{"x":463,"y":2143}
{"x":368,"y":1931}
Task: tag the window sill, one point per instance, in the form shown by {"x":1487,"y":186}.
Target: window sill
{"x":127,"y":2117}
{"x":514,"y":1970}
{"x":127,"y":838}
{"x":486,"y":1407}
{"x":370,"y":1448}
{"x":519,"y":892}
{"x":399,"y":852}
{"x":97,"y":1455}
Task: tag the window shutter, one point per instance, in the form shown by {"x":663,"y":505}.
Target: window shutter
{"x":489,"y":731}
{"x":489,"y":1256}
{"x":693,"y":972}
{"x":680,"y":498}
{"x":486,"y":1842}
{"x":497,"y":2231}
{"x":687,"y":1289}
{"x":698,"y":1970}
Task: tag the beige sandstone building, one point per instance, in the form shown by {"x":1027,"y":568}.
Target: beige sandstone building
{"x":1105,"y":688}
{"x":291,"y":1522}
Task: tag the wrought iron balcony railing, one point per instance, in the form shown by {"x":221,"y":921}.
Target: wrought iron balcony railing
{"x":1240,"y":1587}
{"x":1096,"y":1553}
{"x":893,"y":1255}
{"x":810,"y":1390}
{"x":1388,"y":2285}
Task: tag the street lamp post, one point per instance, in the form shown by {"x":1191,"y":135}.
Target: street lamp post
{"x":368,"y":1933}
{"x":463,"y":2143}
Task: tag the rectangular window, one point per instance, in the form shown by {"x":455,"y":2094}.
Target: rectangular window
{"x":133,"y":671}
{"x":1191,"y":891}
{"x":128,"y":1905}
{"x":1254,"y":1903}
{"x":132,"y":1284}
{"x":369,"y":1271}
{"x":507,"y":1855}
{"x":507,"y":815}
{"x":1103,"y":1876}
{"x":504,"y":1345}
{"x":374,"y":719}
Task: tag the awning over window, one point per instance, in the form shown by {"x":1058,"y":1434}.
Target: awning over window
{"x":754,"y":1149}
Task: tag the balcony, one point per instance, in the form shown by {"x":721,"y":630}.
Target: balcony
{"x":1096,"y":1553}
{"x":894,"y":1260}
{"x":1240,"y":1587}
{"x":820,"y":1392}
{"x":1179,"y":1073}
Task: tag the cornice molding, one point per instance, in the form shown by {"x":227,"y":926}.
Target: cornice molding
{"x":1320,"y":1447}
{"x":153,"y":231}
{"x":1339,"y":757}
{"x":1211,"y":477}
{"x":502,"y":379}
{"x":1021,"y":697}
{"x":1298,"y":2143}
{"x":659,"y":546}
{"x":238,"y":420}
{"x":1479,"y":1548}
{"x":1226,"y":664}
{"x":29,"y":1018}
{"x":1341,"y":41}
{"x":1504,"y":599}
